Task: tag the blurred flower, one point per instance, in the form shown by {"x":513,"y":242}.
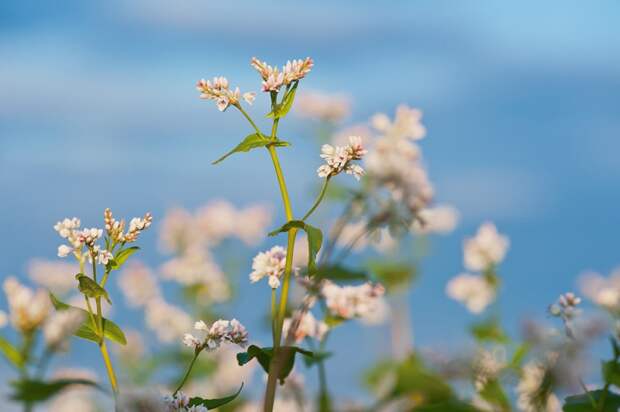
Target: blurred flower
{"x":440,"y":219}
{"x":348,"y":302}
{"x":339,"y":158}
{"x":56,"y":276}
{"x":486,"y":249}
{"x":178,"y":231}
{"x":353,"y":235}
{"x":60,"y":327}
{"x":135,"y":348}
{"x":167,"y":321}
{"x":269,"y":264}
{"x":407,"y":124}
{"x":530,"y":396}
{"x":383,"y":241}
{"x":4,"y":319}
{"x":487,"y":365}
{"x":307,"y":326}
{"x":219,"y":91}
{"x":138,"y":284}
{"x":180,"y":403}
{"x":219,"y":332}
{"x":252,"y":223}
{"x":28,"y":309}
{"x":322,"y":106}
{"x":471,"y":290}
{"x":604,"y":292}
{"x":566,"y":306}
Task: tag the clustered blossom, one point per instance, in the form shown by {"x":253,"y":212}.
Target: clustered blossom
{"x":471,"y":290}
{"x":219,"y":91}
{"x":364,"y":301}
{"x":324,"y":107}
{"x":566,"y":309}
{"x":307,"y":327}
{"x":116,"y":229}
{"x":269,"y":264}
{"x":221,"y":331}
{"x":340,"y":158}
{"x":28,"y":309}
{"x":487,"y":365}
{"x":138,"y":284}
{"x":180,"y":403}
{"x":530,"y":398}
{"x":486,"y":249}
{"x":481,"y":253}
{"x":60,"y":326}
{"x":603,"y":291}
{"x":274,"y":78}
{"x":440,"y":219}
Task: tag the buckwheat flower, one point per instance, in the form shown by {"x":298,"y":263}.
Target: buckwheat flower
{"x":251,"y":224}
{"x":440,"y":219}
{"x":274,"y":79}
{"x":219,"y":91}
{"x":101,"y":256}
{"x":486,"y":249}
{"x":308,"y":327}
{"x":249,"y":97}
{"x":191,"y":341}
{"x":487,"y":364}
{"x":339,"y":158}
{"x":176,"y":403}
{"x":269,"y":264}
{"x":217,"y":220}
{"x":56,"y":276}
{"x":169,"y":322}
{"x":530,"y":397}
{"x":324,"y":107}
{"x":407,"y":124}
{"x":179,"y":231}
{"x":67,"y":226}
{"x":60,"y":327}
{"x":604,"y":292}
{"x":138,"y":284}
{"x":28,"y":309}
{"x":64,"y":250}
{"x":90,"y":236}
{"x":212,"y":337}
{"x":353,"y":301}
{"x":136,"y":226}
{"x":237,"y":334}
{"x":566,"y":309}
{"x":472,"y":291}
{"x":297,"y":69}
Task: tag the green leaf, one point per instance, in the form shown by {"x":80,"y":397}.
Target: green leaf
{"x":252,"y":141}
{"x":339,"y":273}
{"x":11,"y":353}
{"x":91,"y":288}
{"x":489,"y":330}
{"x":332,"y":321}
{"x":611,"y":372}
{"x":32,"y":390}
{"x":452,"y":405}
{"x":315,"y":240}
{"x":316,"y":358}
{"x":121,"y":257}
{"x":583,"y":402}
{"x":518,"y":356}
{"x":493,"y":393}
{"x":86,"y":330}
{"x":214,"y":403}
{"x":285,"y":355}
{"x":393,"y":275}
{"x":283,"y":108}
{"x":414,"y":379}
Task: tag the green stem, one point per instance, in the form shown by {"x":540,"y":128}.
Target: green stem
{"x":189,"y":370}
{"x":90,"y":314}
{"x":247,"y":116}
{"x":108,"y":365}
{"x":318,"y":199}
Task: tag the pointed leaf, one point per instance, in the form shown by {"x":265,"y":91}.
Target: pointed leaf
{"x":252,"y":141}
{"x":214,"y":403}
{"x":11,"y":353}
{"x":339,"y":273}
{"x":583,"y":402}
{"x":86,"y":331}
{"x":32,"y":390}
{"x":286,"y":356}
{"x":283,"y":108}
{"x":121,"y":257}
{"x":315,"y":240}
{"x":91,"y":288}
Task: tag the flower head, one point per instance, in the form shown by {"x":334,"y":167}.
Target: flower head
{"x":274,"y":78}
{"x":221,"y":331}
{"x":471,"y":290}
{"x":269,"y":264}
{"x":363,"y":301}
{"x":219,"y":91}
{"x":28,"y":309}
{"x":306,"y":326}
{"x":339,"y":158}
{"x":485,"y":249}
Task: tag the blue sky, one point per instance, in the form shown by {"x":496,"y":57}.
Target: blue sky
{"x":98,"y":108}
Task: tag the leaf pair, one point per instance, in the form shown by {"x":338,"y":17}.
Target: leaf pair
{"x":315,"y":240}
{"x":285,"y":358}
{"x":87,"y":331}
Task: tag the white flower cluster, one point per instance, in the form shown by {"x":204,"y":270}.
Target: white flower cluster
{"x":363,"y":301}
{"x":115,"y":228}
{"x":60,"y":326}
{"x":274,"y":78}
{"x":323,"y":107}
{"x":168,"y":321}
{"x":138,"y":284}
{"x":269,"y":264}
{"x":481,"y":253}
{"x":219,"y":91}
{"x":441,"y":219}
{"x":566,"y":306}
{"x":307,"y":327}
{"x":28,"y":309}
{"x":394,"y":159}
{"x":340,"y":158}
{"x":605,"y":292}
{"x":486,"y":249}
{"x":528,"y":390}
{"x":53,"y":275}
{"x":180,"y":403}
{"x":221,"y":331}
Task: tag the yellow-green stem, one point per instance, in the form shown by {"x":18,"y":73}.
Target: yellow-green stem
{"x":189,"y":370}
{"x":108,"y":366}
{"x":318,"y":200}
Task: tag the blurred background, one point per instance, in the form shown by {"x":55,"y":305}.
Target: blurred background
{"x":98,"y":109}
